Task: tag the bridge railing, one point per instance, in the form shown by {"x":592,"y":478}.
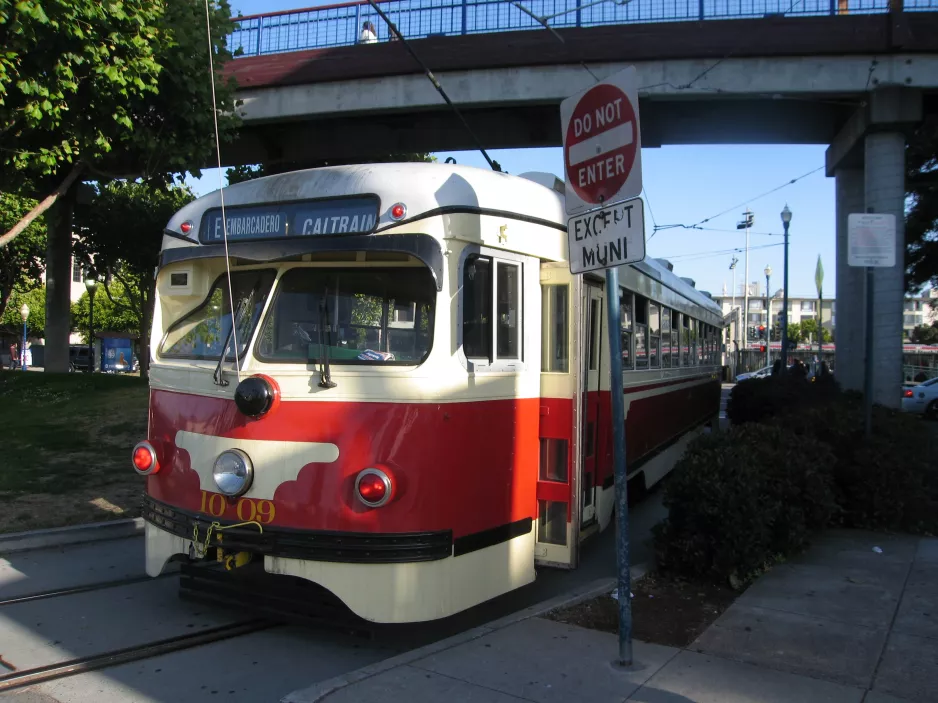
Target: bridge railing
{"x":340,"y":25}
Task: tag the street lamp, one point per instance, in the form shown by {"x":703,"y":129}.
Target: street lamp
{"x":91,"y":284}
{"x":768,"y":317}
{"x":24,"y":313}
{"x":786,"y":219}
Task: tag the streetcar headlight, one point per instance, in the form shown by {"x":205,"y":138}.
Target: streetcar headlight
{"x":233,"y":472}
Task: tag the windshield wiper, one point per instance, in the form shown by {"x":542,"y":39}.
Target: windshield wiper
{"x":325,"y":376}
{"x":218,"y":378}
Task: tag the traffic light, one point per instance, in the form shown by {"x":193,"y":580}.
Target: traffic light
{"x":761,"y":331}
{"x":762,"y":349}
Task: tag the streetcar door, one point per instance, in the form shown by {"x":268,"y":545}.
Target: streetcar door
{"x":592,"y":321}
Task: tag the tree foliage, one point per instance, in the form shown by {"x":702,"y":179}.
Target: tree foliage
{"x":67,"y":71}
{"x":114,"y":311}
{"x":925,"y":334}
{"x":121,"y":231}
{"x":921,"y":222}
{"x":21,"y":261}
{"x":35,"y":298}
{"x":121,"y":87}
{"x":809,"y":331}
{"x":118,"y":84}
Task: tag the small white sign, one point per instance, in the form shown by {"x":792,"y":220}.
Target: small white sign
{"x":612,"y":236}
{"x":871,"y":240}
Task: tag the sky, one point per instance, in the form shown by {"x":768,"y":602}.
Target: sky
{"x":684,"y":185}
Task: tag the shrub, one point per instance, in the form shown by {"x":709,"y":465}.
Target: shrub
{"x":889,"y":482}
{"x":740,"y":499}
{"x":760,"y":399}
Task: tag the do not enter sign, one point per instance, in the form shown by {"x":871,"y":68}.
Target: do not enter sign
{"x":602,"y":144}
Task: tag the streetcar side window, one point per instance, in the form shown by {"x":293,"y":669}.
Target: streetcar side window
{"x":477,"y":308}
{"x":554,"y":314}
{"x":685,"y":341}
{"x":625,"y":311}
{"x":675,"y":338}
{"x":641,"y":332}
{"x":698,"y":341}
{"x":654,"y":334}
{"x":508,"y":291}
{"x":492,"y":308}
{"x":665,"y":338}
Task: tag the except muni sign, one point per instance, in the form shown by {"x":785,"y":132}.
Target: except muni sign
{"x":602,"y":144}
{"x":612,"y":236}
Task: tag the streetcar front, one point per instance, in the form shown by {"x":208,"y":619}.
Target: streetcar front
{"x":307,"y":410}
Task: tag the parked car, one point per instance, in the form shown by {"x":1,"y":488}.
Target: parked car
{"x":921,"y":398}
{"x":761,"y":373}
{"x":79,"y":359}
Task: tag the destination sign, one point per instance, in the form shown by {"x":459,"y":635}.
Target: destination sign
{"x":313,"y":218}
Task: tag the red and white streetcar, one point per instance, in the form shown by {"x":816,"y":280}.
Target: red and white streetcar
{"x":411,"y":408}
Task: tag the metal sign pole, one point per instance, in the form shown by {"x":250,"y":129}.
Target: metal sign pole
{"x":618,"y":454}
{"x":868,"y":370}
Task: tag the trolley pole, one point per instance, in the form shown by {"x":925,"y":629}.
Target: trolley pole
{"x":618,"y":456}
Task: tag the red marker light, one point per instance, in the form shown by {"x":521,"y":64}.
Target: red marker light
{"x":144,"y":459}
{"x":398,"y":211}
{"x":908,"y":394}
{"x":373,"y":487}
{"x":186,"y":227}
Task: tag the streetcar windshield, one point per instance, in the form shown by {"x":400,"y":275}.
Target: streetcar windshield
{"x":202,"y":333}
{"x":356,"y":316}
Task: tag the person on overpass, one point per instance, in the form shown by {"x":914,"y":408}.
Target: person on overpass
{"x":369,"y":35}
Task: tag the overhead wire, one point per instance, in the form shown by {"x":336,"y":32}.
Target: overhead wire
{"x":494,"y":165}
{"x":221,"y":194}
{"x":697,"y":225}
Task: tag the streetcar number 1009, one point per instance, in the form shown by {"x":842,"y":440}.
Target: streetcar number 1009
{"x":246,"y":509}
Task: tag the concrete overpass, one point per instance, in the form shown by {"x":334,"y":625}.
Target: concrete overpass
{"x":854,"y":74}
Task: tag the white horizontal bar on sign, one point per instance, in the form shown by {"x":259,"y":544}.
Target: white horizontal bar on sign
{"x":607,"y":141}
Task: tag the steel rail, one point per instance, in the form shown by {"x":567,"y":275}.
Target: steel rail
{"x":94,"y":662}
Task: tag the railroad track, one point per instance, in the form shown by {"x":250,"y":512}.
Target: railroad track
{"x":94,"y":662}
{"x":57,"y":593}
{"x":268,"y":608}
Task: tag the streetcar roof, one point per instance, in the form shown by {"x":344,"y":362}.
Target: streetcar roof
{"x":425,"y":188}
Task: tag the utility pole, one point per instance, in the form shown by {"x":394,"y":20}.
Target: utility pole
{"x":733,"y":306}
{"x":746,"y":223}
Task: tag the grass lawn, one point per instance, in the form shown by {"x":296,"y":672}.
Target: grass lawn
{"x":65,"y":444}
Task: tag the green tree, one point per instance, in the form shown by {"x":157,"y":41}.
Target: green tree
{"x":21,"y":260}
{"x":35,"y":298}
{"x":796,"y":332}
{"x":89,"y":89}
{"x":121,"y":230}
{"x":925,"y":334}
{"x":809,"y":331}
{"x":113,"y":311}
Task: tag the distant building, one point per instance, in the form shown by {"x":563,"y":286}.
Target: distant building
{"x":918,"y":310}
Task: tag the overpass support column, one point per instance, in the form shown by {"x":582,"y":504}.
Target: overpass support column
{"x":885,"y":193}
{"x":872,"y":143}
{"x":848,"y":331}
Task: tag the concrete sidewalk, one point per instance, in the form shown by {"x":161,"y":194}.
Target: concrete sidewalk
{"x":842,"y":623}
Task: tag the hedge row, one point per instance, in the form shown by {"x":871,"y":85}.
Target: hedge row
{"x":795,"y":461}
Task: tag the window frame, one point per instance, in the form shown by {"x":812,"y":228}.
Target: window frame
{"x":549,"y":327}
{"x":270,"y":309}
{"x":248,"y":345}
{"x":495,"y":364}
{"x":625,"y":295}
